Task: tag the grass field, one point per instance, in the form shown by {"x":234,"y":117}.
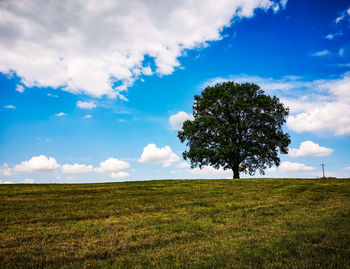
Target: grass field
{"x":246,"y":223}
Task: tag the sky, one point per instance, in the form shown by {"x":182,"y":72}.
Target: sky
{"x":96,"y":91}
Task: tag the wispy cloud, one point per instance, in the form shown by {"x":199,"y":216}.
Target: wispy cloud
{"x":52,"y":95}
{"x":10,"y":107}
{"x":321,"y":53}
{"x":343,"y":15}
{"x":334,"y":35}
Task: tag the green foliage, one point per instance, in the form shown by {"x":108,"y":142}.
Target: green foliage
{"x":244,"y":223}
{"x":237,"y":127}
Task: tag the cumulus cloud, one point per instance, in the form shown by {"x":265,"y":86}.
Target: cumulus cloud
{"x":101,"y":47}
{"x":61,"y":114}
{"x":315,"y":105}
{"x":38,"y":164}
{"x":5,"y":171}
{"x":121,"y":174}
{"x":10,"y":107}
{"x":309,"y":148}
{"x":86,"y":105}
{"x":88,"y":116}
{"x":112,"y":165}
{"x":294,"y":167}
{"x":164,"y":156}
{"x":330,"y":110}
{"x":326,"y":108}
{"x":76,"y":168}
{"x":334,"y":117}
{"x":28,"y":181}
{"x":20,"y":88}
{"x":178,"y":119}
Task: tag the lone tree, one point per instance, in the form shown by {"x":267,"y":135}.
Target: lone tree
{"x":236,"y":126}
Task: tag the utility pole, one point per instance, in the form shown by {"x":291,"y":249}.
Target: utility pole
{"x":323,"y":165}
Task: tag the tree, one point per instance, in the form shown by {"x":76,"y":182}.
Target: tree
{"x":237,"y":127}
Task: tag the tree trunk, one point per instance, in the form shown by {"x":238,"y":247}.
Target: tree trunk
{"x":236,"y":172}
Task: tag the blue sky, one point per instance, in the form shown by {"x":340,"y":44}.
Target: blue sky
{"x":95,"y":91}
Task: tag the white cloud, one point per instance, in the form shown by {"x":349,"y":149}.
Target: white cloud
{"x":28,"y":181}
{"x":294,"y":167}
{"x":178,"y":119}
{"x":341,"y":87}
{"x":164,"y":156}
{"x":309,"y":148}
{"x":86,"y":105}
{"x":208,"y":170}
{"x":20,"y":88}
{"x":340,"y":18}
{"x":87,"y":116}
{"x":183,"y":165}
{"x":61,"y":114}
{"x":52,"y":95}
{"x":347,"y":168}
{"x":120,"y":174}
{"x":334,"y":117}
{"x":332,"y":36}
{"x":342,"y":15}
{"x":5,"y":171}
{"x":5,"y":182}
{"x":87,"y":46}
{"x":321,"y":53}
{"x":341,"y":52}
{"x":10,"y":107}
{"x":38,"y":164}
{"x":267,"y":84}
{"x":272,"y":169}
{"x":112,"y":165}
{"x":329,"y":111}
{"x":340,"y":65}
{"x":76,"y":168}
{"x":315,"y":105}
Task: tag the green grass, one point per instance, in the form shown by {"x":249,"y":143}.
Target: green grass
{"x":246,"y":223}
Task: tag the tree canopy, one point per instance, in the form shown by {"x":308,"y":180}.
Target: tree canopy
{"x":236,"y":126}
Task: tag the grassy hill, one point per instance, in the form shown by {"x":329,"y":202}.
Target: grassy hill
{"x":246,"y":223}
